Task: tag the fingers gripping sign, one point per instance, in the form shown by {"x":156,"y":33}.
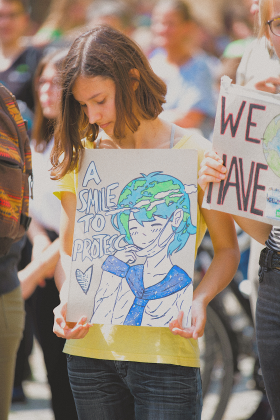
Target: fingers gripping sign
{"x":68,"y":330}
{"x":212,"y":169}
{"x":196,"y":329}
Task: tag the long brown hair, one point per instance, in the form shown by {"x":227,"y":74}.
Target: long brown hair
{"x":43,"y":128}
{"x":264,"y":13}
{"x":105,"y":52}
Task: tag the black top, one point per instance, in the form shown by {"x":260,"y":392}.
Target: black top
{"x":19,"y":77}
{"x":8,"y":267}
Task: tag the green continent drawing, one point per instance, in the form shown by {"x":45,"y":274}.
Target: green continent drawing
{"x":271,"y":145}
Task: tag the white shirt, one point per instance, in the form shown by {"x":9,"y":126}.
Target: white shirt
{"x":45,"y":207}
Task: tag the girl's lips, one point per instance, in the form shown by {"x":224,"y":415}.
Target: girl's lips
{"x":104,"y":125}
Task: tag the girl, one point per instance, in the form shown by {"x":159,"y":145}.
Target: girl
{"x":121,"y":371}
{"x":64,"y":16}
{"x":268,"y":304}
{"x":43,"y":238}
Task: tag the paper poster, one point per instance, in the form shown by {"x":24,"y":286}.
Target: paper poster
{"x":247,"y":138}
{"x":134,"y":239}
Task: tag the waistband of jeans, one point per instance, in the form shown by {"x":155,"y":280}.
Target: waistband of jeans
{"x":269,"y":259}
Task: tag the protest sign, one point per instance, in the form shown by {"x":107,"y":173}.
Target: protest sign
{"x":247,"y":138}
{"x":134,"y":238}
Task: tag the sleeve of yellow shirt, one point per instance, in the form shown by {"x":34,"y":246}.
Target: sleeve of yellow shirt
{"x":70,"y":181}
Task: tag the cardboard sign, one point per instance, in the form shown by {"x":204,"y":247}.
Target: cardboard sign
{"x":247,"y":138}
{"x":134,"y":238}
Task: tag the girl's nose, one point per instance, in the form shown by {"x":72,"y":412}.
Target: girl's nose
{"x":93,"y":115}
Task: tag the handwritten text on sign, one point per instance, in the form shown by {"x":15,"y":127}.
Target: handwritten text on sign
{"x":247,"y":137}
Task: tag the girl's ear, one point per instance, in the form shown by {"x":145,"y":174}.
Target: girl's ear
{"x":135,"y":78}
{"x":177,"y":217}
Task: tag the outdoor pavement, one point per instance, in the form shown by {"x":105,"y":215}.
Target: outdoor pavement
{"x":242,"y":404}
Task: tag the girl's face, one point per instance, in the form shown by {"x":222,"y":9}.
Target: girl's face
{"x":49,"y":92}
{"x":96,"y":95}
{"x":143,"y":235}
{"x":274,"y":13}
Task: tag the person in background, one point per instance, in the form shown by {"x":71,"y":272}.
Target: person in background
{"x":268,"y":301}
{"x":18,"y":61}
{"x":64,"y":17}
{"x":190,"y":99}
{"x":43,"y":241}
{"x":11,"y":323}
{"x":239,"y":25}
{"x":117,"y":14}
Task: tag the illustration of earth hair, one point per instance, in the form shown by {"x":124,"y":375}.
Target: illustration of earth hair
{"x":155,"y":194}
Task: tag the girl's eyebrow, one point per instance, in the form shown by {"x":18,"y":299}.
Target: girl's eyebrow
{"x":94,"y":96}
{"x":276,"y":17}
{"x":89,"y":99}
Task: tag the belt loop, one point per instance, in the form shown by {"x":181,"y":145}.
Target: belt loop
{"x":261,"y":274}
{"x":269,"y":256}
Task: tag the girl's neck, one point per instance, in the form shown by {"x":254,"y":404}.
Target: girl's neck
{"x":8,"y":53}
{"x":179,"y":54}
{"x":11,"y":48}
{"x":151,"y":134}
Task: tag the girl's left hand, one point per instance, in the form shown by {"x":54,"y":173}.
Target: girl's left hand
{"x":196,"y":330}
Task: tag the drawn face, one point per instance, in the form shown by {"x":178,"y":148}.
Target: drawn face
{"x":49,"y":92}
{"x":143,"y":235}
{"x":96,"y":96}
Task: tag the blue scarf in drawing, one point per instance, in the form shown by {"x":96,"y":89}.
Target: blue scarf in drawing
{"x":175,"y":280}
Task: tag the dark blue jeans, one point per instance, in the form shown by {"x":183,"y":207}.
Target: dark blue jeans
{"x":268,"y":336}
{"x":117,"y":390}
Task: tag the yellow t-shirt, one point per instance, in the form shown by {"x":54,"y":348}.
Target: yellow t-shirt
{"x":139,"y":344}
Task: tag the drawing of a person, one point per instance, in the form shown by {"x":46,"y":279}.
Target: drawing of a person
{"x":153,"y":212}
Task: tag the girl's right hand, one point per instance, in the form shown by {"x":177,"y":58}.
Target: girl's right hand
{"x":212,"y":169}
{"x":68,"y":330}
{"x":271,"y":85}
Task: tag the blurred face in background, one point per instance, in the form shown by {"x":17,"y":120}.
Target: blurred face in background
{"x":49,"y":92}
{"x":168,"y":27}
{"x":274,"y":13}
{"x":13,"y":21}
{"x":77,"y":12}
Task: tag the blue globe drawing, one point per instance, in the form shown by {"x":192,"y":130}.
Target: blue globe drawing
{"x":271,"y":145}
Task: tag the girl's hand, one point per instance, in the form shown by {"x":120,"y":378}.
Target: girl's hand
{"x":128,"y":254}
{"x":68,"y":330}
{"x":198,"y":322}
{"x":212,"y":169}
{"x":271,"y":85}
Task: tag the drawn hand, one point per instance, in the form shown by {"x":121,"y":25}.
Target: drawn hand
{"x":211,"y":169}
{"x":68,"y":329}
{"x":128,"y":254}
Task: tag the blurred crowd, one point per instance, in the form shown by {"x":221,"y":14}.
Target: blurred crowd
{"x":190,"y":45}
{"x":199,"y":42}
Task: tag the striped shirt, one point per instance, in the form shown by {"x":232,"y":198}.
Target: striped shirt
{"x":273,"y":241}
